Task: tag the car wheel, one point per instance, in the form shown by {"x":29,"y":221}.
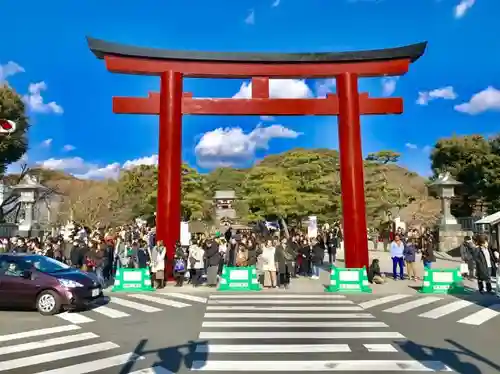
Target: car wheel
{"x":48,"y":303}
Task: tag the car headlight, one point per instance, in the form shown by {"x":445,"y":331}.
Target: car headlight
{"x":68,"y":283}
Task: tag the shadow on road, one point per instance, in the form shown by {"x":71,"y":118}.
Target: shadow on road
{"x":186,"y":356}
{"x":456,"y":359}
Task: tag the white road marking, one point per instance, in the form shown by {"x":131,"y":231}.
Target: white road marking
{"x":278,"y":296}
{"x":353,"y":308}
{"x":382,"y":300}
{"x":272,"y":348}
{"x":446,"y":309}
{"x":289,"y":315}
{"x":47,"y":343}
{"x":401,"y":308}
{"x":97,"y":365}
{"x":40,"y":332}
{"x":158,"y":300}
{"x":74,"y":317}
{"x":482,"y":316}
{"x":281,"y":302}
{"x":110,"y":312}
{"x":380,"y":348}
{"x":153,"y":370}
{"x":279,"y":324}
{"x":316,"y":366}
{"x":56,"y":355}
{"x":134,"y":305}
{"x":300,"y":335}
{"x":198,"y":299}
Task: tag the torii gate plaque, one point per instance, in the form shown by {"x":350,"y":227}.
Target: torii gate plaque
{"x":171,"y":103}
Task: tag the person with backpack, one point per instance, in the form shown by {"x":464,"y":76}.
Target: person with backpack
{"x":179,"y":265}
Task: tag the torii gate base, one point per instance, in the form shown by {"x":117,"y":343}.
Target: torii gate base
{"x":171,"y":103}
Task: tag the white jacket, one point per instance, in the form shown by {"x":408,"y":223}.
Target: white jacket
{"x":196,"y":255}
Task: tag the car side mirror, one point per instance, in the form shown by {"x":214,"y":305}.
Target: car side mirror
{"x":27,"y":274}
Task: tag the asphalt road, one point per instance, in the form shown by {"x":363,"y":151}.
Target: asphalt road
{"x":257,"y":332}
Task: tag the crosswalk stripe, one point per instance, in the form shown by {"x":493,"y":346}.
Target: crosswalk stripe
{"x":272,"y":348}
{"x":280,"y":324}
{"x":380,"y":348}
{"x":153,"y":370}
{"x":47,"y":343}
{"x":40,"y":332}
{"x":134,"y":305}
{"x":353,"y":308}
{"x":280,"y":302}
{"x":289,"y":315}
{"x":175,"y":304}
{"x":198,"y":299}
{"x":401,"y":308}
{"x":54,"y":356}
{"x":382,"y":300}
{"x":96,"y":365}
{"x":300,"y":335}
{"x":74,"y":317}
{"x":446,"y":309}
{"x":482,"y":316}
{"x":278,"y":296}
{"x":110,"y":312}
{"x":323,"y":366}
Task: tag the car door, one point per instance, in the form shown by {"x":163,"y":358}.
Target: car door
{"x":16,"y":290}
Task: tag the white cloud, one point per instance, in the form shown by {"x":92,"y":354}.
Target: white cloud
{"x":488,"y":99}
{"x":250,"y":20}
{"x":275,"y":3}
{"x":69,"y":148}
{"x":411,"y":146}
{"x":462,"y":7}
{"x":231,"y":146}
{"x":9,"y":69}
{"x":389,"y":85}
{"x":325,"y":86}
{"x":445,"y":93}
{"x":47,"y":143}
{"x":71,"y":164}
{"x":87,"y":170}
{"x":278,"y":89}
{"x":35,"y":102}
{"x":151,"y":160}
{"x":267,"y":118}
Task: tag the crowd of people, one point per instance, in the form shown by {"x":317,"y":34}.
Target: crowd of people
{"x":278,"y":257}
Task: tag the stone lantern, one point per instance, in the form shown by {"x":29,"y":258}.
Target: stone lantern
{"x":450,"y":231}
{"x":28,"y":190}
{"x":445,"y":188}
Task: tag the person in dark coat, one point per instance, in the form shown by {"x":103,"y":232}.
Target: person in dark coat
{"x":285,"y":263}
{"x":317,"y":255}
{"x":212,"y":259}
{"x":485,"y":264}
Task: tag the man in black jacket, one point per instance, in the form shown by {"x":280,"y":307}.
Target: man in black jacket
{"x":212,"y":259}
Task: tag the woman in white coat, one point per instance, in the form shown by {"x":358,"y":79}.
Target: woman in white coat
{"x":158,"y":264}
{"x":269,"y":264}
{"x":196,"y":264}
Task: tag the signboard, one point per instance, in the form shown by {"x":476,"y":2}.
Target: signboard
{"x":312,"y":227}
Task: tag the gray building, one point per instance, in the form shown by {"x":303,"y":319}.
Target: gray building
{"x":225,"y":214}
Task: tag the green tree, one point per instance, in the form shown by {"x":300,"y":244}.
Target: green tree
{"x":13,"y":146}
{"x":269,"y":194}
{"x":474,"y":161}
{"x":384,"y":157}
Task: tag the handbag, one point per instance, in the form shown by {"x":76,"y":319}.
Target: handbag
{"x":464,"y":269}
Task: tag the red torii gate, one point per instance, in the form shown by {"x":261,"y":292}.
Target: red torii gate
{"x":171,"y":103}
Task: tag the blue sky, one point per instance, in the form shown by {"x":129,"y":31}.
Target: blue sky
{"x":452,"y":89}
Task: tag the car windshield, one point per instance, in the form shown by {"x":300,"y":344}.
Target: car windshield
{"x":46,"y":264}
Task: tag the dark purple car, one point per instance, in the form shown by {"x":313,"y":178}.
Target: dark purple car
{"x":50,"y":286}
